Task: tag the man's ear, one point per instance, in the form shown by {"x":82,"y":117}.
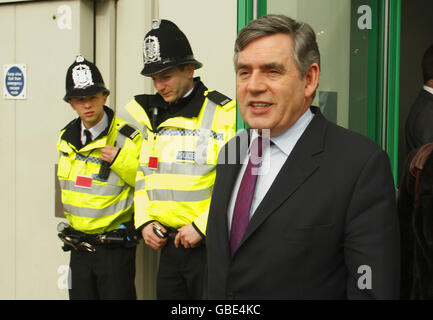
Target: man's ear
{"x":190,"y":69}
{"x":311,"y":80}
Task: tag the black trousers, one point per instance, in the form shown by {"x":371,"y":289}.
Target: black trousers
{"x":181,"y":272}
{"x":108,"y":273}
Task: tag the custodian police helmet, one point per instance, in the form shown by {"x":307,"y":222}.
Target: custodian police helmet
{"x":83,"y":79}
{"x":166,"y":46}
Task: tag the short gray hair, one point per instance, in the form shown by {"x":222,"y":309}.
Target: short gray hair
{"x":306,"y":50}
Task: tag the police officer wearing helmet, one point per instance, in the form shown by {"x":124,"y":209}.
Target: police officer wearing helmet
{"x":98,"y":160}
{"x":184,"y":126}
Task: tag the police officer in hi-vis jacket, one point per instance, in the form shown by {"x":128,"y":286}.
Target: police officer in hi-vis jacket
{"x":184,"y":125}
{"x":98,"y":160}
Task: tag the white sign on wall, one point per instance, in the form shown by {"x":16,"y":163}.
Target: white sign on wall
{"x":15,"y":80}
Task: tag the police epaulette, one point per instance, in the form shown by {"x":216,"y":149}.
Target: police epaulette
{"x":128,"y":131}
{"x":218,"y":98}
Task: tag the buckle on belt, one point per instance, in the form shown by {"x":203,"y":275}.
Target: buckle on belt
{"x":72,"y":240}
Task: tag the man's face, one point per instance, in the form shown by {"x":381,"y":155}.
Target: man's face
{"x":90,"y":109}
{"x":270,"y":91}
{"x":174,"y":83}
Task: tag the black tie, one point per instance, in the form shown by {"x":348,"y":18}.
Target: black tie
{"x":88,"y":136}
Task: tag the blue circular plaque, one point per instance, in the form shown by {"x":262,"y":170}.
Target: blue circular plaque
{"x":14,"y":81}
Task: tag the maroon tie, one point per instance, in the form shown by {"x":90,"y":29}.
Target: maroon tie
{"x":241,"y":212}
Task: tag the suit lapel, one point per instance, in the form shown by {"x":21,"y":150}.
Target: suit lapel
{"x":299,"y":166}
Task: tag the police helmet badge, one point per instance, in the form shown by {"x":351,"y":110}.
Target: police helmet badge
{"x":79,"y":59}
{"x":151,"y":50}
{"x":82,"y":76}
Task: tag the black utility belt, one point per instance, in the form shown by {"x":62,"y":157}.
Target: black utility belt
{"x":80,"y":241}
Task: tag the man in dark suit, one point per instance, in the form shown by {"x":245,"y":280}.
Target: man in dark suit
{"x":321,"y":219}
{"x":419,"y":123}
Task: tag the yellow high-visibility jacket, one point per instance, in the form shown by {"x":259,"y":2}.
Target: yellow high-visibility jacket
{"x":100,"y":205}
{"x":185,"y":150}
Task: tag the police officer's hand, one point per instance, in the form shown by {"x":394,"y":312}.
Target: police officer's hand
{"x":108,"y":153}
{"x":187,"y":236}
{"x":151,"y":239}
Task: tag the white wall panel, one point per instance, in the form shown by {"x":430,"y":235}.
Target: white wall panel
{"x":133,"y":19}
{"x":7,"y":160}
{"x":32,"y":36}
{"x":211,"y":30}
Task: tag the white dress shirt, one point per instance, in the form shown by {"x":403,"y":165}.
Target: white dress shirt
{"x":276,"y":155}
{"x":96,"y":130}
{"x":428,"y":89}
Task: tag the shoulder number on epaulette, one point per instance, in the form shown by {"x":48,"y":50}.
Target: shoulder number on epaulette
{"x":128,"y":131}
{"x":218,"y":98}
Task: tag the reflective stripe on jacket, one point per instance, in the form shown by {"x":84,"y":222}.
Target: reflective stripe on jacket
{"x":179,"y":190}
{"x":107,"y":203}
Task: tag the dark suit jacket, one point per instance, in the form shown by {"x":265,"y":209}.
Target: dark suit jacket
{"x":415,"y":206}
{"x":419,"y":128}
{"x":328,"y":217}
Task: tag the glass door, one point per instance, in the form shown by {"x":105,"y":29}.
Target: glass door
{"x":359,"y":46}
